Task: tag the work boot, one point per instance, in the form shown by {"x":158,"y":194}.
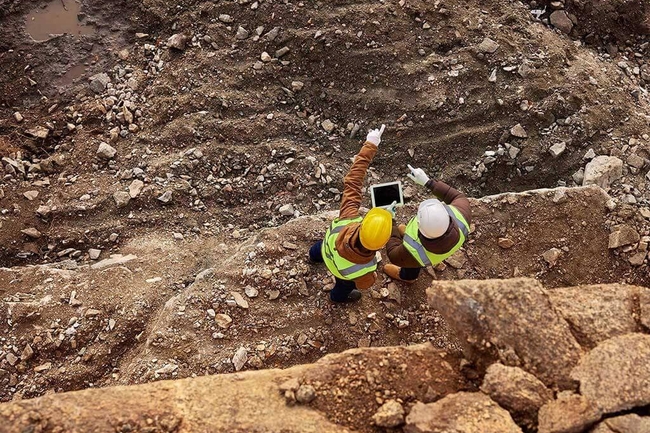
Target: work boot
{"x":393,"y":272}
{"x":353,"y":296}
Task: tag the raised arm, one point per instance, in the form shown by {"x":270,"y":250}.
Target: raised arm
{"x":353,"y":181}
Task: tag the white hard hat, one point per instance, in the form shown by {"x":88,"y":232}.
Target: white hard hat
{"x":433,"y":219}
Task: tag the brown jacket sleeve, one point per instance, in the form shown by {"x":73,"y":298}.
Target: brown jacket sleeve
{"x":397,"y":252}
{"x":366,"y":281}
{"x":353,"y":181}
{"x":452,"y":197}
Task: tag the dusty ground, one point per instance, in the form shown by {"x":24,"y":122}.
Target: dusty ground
{"x":234,"y":138}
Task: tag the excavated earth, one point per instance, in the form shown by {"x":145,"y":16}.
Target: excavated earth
{"x":158,"y":197}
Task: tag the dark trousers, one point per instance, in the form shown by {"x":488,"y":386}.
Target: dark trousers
{"x":409,"y":273}
{"x":342,"y":288}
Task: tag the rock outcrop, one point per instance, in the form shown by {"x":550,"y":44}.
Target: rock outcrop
{"x":511,"y":321}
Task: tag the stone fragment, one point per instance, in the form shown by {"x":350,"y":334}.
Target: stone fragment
{"x":38,"y":132}
{"x":297,"y":86}
{"x":11,"y":359}
{"x":506,"y":243}
{"x":121,"y":198}
{"x":223,"y":321}
{"x":166,"y":197}
{"x":225,"y":18}
{"x":327,"y":125}
{"x":135,"y":188}
{"x":242,"y":33}
{"x":305,"y":394}
{"x":389,"y":415}
{"x":106,"y":151}
{"x":488,"y":46}
{"x":518,"y":131}
{"x":18,"y":117}
{"x":239,"y":299}
{"x":94,"y":253}
{"x":177,"y":41}
{"x":616,"y":373}
{"x":508,"y":313}
{"x":251,"y":292}
{"x":462,"y":412}
{"x":27,"y":353}
{"x":570,"y":413}
{"x":638,"y":258}
{"x":551,"y":256}
{"x":561,"y":20}
{"x":43,"y":211}
{"x":602,"y":171}
{"x":635,"y":161}
{"x":32,"y":233}
{"x":557,"y":149}
{"x":287,"y":210}
{"x":43,"y":367}
{"x":266,"y":57}
{"x":98,"y":82}
{"x":623,"y":235}
{"x":115,"y":260}
{"x":282,"y":52}
{"x":240,"y":358}
{"x":31,"y":195}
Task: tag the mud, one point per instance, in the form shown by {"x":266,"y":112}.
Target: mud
{"x":57,"y":18}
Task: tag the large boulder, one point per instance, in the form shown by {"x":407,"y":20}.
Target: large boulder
{"x":511,"y":321}
{"x":521,"y":393}
{"x":570,"y":413}
{"x":463,"y":412}
{"x":598,"y":312}
{"x":616,"y":374}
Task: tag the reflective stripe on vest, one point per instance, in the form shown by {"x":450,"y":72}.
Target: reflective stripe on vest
{"x":337,"y":265}
{"x":417,"y":250}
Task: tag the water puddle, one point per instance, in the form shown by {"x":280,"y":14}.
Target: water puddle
{"x":58,"y":17}
{"x":72,"y":74}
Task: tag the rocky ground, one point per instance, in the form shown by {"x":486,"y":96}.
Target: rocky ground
{"x":535,"y":359}
{"x":164,"y":172}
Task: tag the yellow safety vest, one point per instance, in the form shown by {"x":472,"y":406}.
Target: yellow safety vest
{"x":414,"y":246}
{"x":337,"y":265}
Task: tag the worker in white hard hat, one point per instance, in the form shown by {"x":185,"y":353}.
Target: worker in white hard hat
{"x":439,"y":229}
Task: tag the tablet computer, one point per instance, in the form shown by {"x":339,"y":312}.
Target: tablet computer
{"x":384,"y":194}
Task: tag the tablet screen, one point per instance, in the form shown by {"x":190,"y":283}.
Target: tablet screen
{"x":385,"y":195}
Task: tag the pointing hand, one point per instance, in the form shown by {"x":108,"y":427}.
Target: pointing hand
{"x":418,"y":175}
{"x":374,"y":136}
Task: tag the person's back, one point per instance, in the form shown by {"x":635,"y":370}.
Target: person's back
{"x":439,"y":229}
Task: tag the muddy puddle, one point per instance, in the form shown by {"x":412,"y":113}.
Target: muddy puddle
{"x":57,"y":17}
{"x":72,"y":74}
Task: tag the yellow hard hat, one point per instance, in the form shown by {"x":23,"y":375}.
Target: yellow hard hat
{"x":376,"y":228}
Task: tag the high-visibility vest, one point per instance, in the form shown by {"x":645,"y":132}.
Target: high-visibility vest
{"x":337,"y":265}
{"x":414,"y":246}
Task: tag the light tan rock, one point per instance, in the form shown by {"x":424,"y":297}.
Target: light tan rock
{"x":616,"y":373}
{"x":517,"y":391}
{"x":598,"y":312}
{"x":570,"y":413}
{"x":463,"y":412}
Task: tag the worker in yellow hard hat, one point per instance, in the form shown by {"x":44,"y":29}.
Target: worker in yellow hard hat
{"x":351,"y":241}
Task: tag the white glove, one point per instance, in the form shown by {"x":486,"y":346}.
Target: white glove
{"x":418,"y":175}
{"x":374,"y":136}
{"x":392,"y":208}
